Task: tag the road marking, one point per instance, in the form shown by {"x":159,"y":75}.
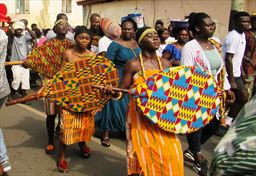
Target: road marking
{"x":94,"y":139}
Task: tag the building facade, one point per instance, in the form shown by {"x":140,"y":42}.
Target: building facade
{"x":43,"y":12}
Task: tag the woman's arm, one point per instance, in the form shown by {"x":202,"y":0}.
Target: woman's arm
{"x":65,"y":57}
{"x":132,"y":67}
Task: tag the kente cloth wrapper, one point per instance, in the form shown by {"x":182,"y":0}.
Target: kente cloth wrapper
{"x":179,"y":99}
{"x":76,"y":127}
{"x":71,"y":87}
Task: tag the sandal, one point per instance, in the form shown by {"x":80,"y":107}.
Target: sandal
{"x":62,"y":166}
{"x":85,"y":150}
{"x":49,"y":149}
{"x":105,"y":142}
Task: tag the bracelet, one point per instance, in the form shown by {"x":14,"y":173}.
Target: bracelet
{"x":118,"y":97}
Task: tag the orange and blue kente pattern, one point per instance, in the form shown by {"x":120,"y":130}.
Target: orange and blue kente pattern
{"x":179,"y":99}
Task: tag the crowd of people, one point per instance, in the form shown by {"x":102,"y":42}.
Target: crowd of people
{"x":137,"y":54}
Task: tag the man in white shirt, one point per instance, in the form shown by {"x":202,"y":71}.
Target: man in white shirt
{"x":233,"y":51}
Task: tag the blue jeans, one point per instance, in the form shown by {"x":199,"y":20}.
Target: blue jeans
{"x":3,"y":150}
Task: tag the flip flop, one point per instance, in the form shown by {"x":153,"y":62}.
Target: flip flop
{"x":62,"y":166}
{"x":105,"y":142}
{"x":49,"y":149}
{"x":85,"y":151}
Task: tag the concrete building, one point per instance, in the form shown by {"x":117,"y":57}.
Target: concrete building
{"x":43,"y":12}
{"x":166,"y":10}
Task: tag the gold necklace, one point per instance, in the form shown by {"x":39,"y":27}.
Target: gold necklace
{"x":81,"y":55}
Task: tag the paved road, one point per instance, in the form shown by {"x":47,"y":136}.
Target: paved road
{"x":25,"y":136}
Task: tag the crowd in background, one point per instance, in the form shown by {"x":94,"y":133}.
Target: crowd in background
{"x":189,"y":41}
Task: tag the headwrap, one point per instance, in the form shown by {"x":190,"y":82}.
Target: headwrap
{"x":111,"y":29}
{"x":58,"y":21}
{"x":18,"y":25}
{"x":142,"y":32}
{"x":179,"y":24}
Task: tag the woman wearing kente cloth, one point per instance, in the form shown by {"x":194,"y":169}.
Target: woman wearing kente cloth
{"x":150,"y":150}
{"x":120,"y":51}
{"x":76,"y":127}
{"x":200,"y":52}
{"x":61,"y":29}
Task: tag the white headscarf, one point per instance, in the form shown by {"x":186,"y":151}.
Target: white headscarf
{"x":18,"y":25}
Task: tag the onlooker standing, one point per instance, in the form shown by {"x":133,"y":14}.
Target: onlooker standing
{"x":173,"y":51}
{"x":19,"y":52}
{"x":4,"y":91}
{"x":112,"y":32}
{"x":113,"y":115}
{"x":233,"y":51}
{"x":32,"y":42}
{"x":163,"y":34}
{"x":249,"y":60}
{"x":40,"y":39}
{"x":159,"y":24}
{"x":96,"y":31}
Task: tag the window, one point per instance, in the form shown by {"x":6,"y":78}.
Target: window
{"x":22,"y":6}
{"x":67,"y":6}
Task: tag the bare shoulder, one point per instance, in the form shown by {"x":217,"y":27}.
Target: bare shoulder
{"x":68,"y":52}
{"x":134,"y":65}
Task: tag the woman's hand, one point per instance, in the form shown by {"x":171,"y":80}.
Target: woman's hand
{"x":230,"y":96}
{"x":108,"y":89}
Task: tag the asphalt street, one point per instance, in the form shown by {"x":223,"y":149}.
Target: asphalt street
{"x":25,"y":136}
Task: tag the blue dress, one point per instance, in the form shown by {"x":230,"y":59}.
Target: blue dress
{"x":174,"y":51}
{"x":113,"y":115}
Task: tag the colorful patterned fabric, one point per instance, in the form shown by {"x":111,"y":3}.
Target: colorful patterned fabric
{"x":47,"y":58}
{"x":236,"y":152}
{"x":151,"y":150}
{"x":76,"y":127}
{"x":179,"y":99}
{"x":71,"y":86}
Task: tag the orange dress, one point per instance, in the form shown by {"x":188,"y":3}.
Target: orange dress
{"x":151,"y":150}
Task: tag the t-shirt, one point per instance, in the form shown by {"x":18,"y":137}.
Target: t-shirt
{"x":234,"y":43}
{"x":104,"y":42}
{"x":20,"y":47}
